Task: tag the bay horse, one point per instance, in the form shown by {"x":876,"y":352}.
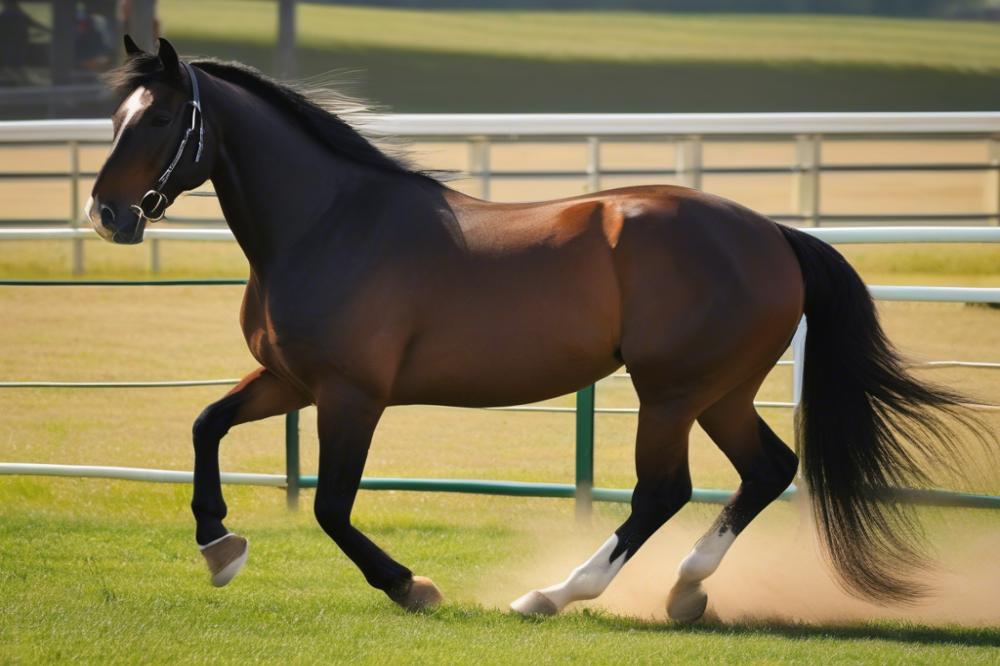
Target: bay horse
{"x":373,"y":284}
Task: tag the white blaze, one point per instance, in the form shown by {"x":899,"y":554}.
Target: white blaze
{"x":136,"y":102}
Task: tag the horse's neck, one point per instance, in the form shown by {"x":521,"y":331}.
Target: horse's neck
{"x":273,"y":180}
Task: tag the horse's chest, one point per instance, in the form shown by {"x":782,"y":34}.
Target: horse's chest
{"x":310,"y":333}
{"x":289,"y":322}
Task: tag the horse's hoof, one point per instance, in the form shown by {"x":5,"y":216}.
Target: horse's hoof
{"x":225,"y":557}
{"x":686,"y":603}
{"x":534,"y":603}
{"x":423,"y":594}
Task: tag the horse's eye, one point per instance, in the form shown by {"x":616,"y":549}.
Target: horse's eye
{"x":160,"y":120}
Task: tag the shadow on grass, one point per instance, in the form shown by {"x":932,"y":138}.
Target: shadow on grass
{"x":887,"y":631}
{"x":879,"y":630}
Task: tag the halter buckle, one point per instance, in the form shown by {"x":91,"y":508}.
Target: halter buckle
{"x":152,"y":206}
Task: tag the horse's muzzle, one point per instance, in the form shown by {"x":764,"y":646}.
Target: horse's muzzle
{"x":131,"y":233}
{"x":125,"y":228}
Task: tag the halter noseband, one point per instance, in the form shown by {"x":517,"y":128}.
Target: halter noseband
{"x":153,"y":205}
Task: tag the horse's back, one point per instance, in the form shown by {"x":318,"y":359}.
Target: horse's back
{"x":522,"y":305}
{"x":540,"y":299}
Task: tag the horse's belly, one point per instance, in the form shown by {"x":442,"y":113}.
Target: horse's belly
{"x":507,"y":352}
{"x":501,"y":377}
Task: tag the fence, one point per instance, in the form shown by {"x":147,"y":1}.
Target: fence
{"x":689,"y":134}
{"x":582,"y":489}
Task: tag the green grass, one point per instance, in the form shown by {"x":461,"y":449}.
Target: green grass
{"x":111,"y":576}
{"x":614,"y":61}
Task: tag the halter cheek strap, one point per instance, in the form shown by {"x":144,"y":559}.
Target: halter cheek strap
{"x":153,"y":205}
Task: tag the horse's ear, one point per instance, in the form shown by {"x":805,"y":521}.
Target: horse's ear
{"x":131,"y":48}
{"x":168,"y":56}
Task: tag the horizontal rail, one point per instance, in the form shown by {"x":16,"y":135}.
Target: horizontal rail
{"x":837,"y":236}
{"x":194,"y":282}
{"x":880,"y":292}
{"x":721,"y":170}
{"x":135,"y":474}
{"x":928,"y":497}
{"x":84,"y":233}
{"x":447,"y":125}
{"x":119,"y":385}
{"x":957,"y":364}
{"x":923,"y":364}
{"x":880,"y":235}
{"x":936,"y":294}
{"x":872,"y":219}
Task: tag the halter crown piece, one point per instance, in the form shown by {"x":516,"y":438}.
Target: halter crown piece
{"x":153,"y":204}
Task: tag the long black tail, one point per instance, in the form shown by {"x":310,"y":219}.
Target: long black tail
{"x":865,"y":427}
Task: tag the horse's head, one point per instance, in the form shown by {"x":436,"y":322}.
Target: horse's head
{"x":159,"y":144}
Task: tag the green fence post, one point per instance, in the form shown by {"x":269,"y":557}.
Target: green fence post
{"x":584,"y":451}
{"x":292,"y":475}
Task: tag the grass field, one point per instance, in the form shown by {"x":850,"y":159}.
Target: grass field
{"x":614,"y":61}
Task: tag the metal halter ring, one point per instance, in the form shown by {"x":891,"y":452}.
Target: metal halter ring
{"x":153,"y":206}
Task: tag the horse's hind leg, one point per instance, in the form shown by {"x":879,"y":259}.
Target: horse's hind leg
{"x":766,"y":467}
{"x":664,"y":486}
{"x":258,"y":395}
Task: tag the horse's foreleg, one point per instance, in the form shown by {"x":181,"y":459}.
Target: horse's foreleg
{"x":766,"y":467}
{"x":259,"y":395}
{"x":664,"y":486}
{"x":347,"y":420}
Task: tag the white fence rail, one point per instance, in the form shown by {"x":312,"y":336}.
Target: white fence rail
{"x":687,"y":132}
{"x":838,"y":236}
{"x":516,"y":125}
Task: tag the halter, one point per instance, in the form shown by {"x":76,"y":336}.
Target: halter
{"x":153,"y":205}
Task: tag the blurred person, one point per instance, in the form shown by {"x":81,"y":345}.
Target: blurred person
{"x":92,"y":48}
{"x":15,"y":40}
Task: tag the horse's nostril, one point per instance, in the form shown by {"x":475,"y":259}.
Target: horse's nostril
{"x":107,"y":216}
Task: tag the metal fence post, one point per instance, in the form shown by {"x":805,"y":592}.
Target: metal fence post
{"x":593,"y":164}
{"x":798,"y":360}
{"x":688,"y":162}
{"x":584,"y":451}
{"x":74,"y":204}
{"x":286,"y":65}
{"x":993,"y":176}
{"x":292,"y":471}
{"x":479,"y":164}
{"x":807,"y":178}
{"x":798,"y":371}
{"x":154,"y":256}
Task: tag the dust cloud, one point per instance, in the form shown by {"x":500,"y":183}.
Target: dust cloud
{"x":776,"y":572}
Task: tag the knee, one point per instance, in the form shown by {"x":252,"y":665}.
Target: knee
{"x":663,"y":499}
{"x":334,"y":516}
{"x":211,"y":425}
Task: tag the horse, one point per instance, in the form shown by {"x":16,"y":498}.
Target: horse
{"x":373,"y":284}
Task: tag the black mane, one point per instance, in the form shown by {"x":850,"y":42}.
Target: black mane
{"x":317,"y":111}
